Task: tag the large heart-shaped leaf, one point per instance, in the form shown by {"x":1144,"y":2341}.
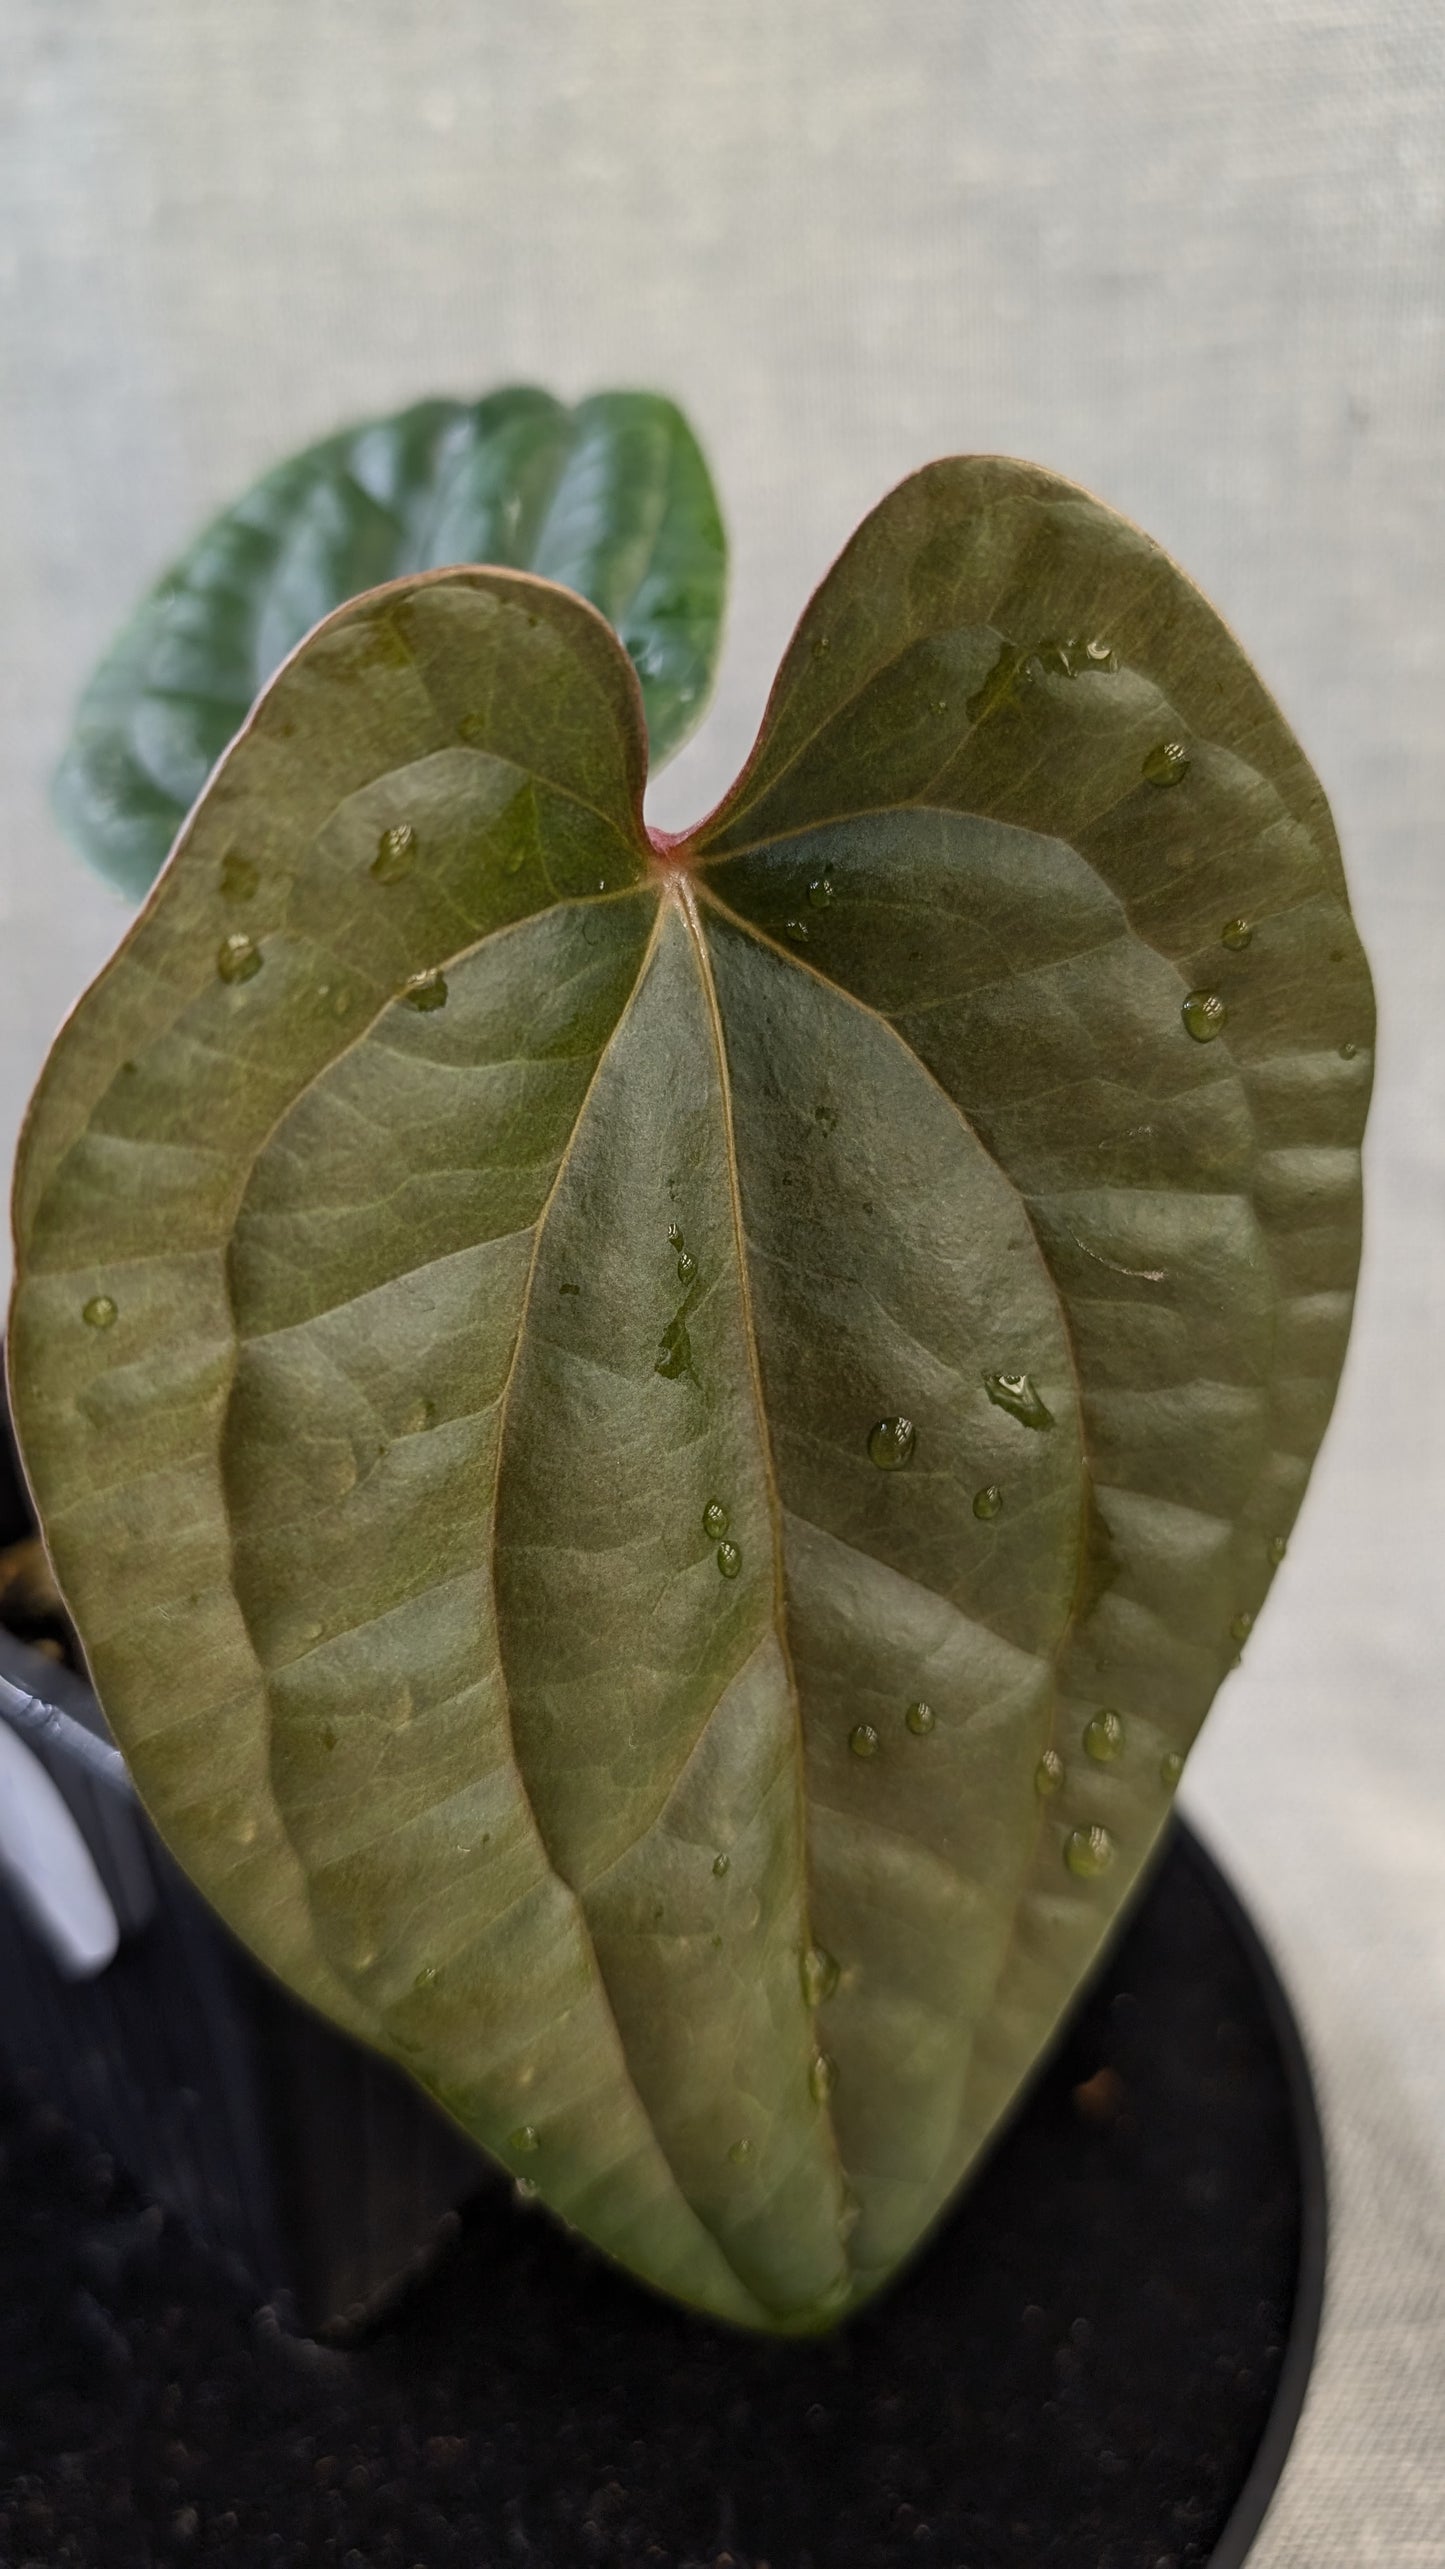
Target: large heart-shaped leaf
{"x":660,"y":1449}
{"x":611,"y":498}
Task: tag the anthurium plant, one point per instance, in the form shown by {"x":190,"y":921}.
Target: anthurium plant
{"x":659,"y":1443}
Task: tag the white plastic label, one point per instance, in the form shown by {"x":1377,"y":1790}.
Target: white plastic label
{"x":49,"y":1867}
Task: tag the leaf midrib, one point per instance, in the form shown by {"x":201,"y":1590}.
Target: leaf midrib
{"x":687,"y":902}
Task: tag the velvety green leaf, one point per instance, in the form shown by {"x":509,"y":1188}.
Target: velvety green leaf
{"x":611,"y":498}
{"x":660,"y":1450}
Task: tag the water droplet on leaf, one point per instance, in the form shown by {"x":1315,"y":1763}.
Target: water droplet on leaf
{"x":1088,"y":1852}
{"x":1277,"y":1549}
{"x":740,"y":2152}
{"x":1049,"y":1773}
{"x":797,"y":930}
{"x":729,"y":1560}
{"x":395,"y":853}
{"x":715,"y":1520}
{"x":526,"y":2137}
{"x":1236,"y":934}
{"x":822,"y":2078}
{"x":891,"y":1443}
{"x":100,"y":1312}
{"x":1348,"y":1051}
{"x":820,"y":891}
{"x":526,"y":2189}
{"x":1241,"y":1628}
{"x":687,"y":1268}
{"x":425,"y":991}
{"x":721,"y":1864}
{"x":1166,"y":764}
{"x":674,"y":1356}
{"x":238,"y":958}
{"x":1205,"y":1015}
{"x":921,"y":1719}
{"x":1076,"y":653}
{"x":818,"y":1973}
{"x":987,"y":1502}
{"x":426,"y":1979}
{"x":1016,"y":1394}
{"x":1104,"y":1738}
{"x":863,"y":1740}
{"x":1171,"y":1767}
{"x":674,"y":1233}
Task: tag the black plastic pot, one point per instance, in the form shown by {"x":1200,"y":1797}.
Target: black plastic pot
{"x":1099,"y":2359}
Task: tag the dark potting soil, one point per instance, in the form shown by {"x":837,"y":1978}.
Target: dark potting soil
{"x":1077,"y":2371}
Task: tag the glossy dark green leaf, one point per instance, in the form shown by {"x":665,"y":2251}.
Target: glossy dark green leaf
{"x":660,"y":1450}
{"x":611,"y":498}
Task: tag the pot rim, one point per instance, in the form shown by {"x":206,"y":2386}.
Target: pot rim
{"x":1261,"y":2481}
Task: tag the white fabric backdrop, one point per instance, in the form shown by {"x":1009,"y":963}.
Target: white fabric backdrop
{"x":1191,"y":256}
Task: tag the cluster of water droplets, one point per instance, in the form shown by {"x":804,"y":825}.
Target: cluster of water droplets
{"x":715,"y":1523}
{"x":1074,"y":655}
{"x":819,"y":892}
{"x":1019,"y":665}
{"x":919,"y":1718}
{"x":892,"y":1443}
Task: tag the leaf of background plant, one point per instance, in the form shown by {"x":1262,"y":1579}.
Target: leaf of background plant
{"x":611,"y":498}
{"x":659,"y":1452}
